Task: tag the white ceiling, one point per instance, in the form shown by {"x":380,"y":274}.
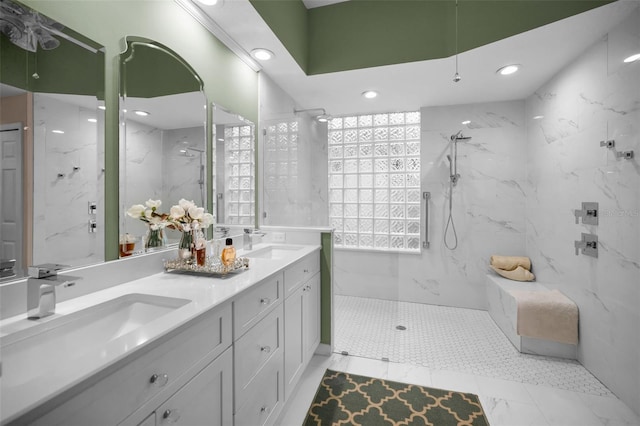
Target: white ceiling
{"x":541,"y":52}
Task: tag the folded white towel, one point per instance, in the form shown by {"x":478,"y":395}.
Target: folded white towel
{"x":548,"y":315}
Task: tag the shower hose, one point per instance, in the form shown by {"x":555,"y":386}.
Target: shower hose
{"x":450,"y":222}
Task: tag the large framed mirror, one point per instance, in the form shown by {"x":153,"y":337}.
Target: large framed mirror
{"x":234,"y":171}
{"x":52,"y":143}
{"x":163,"y":140}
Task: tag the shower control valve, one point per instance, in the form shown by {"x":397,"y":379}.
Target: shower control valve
{"x":588,"y":245}
{"x":588,"y":213}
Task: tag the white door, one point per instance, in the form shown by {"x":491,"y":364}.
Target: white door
{"x":11,"y":194}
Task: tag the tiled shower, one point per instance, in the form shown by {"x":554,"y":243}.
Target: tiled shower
{"x":529,"y":165}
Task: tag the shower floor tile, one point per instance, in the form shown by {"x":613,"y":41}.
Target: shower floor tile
{"x":448,"y":339}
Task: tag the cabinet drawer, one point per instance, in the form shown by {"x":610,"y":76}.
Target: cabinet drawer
{"x":265,"y":399}
{"x":205,"y":400}
{"x":255,"y":303}
{"x":260,"y":346}
{"x":161,"y":370}
{"x":300,"y":272}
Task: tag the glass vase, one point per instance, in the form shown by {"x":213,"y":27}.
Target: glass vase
{"x":154,"y":239}
{"x":185,"y":247}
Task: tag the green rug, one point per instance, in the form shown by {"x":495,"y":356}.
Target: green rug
{"x":349,"y":399}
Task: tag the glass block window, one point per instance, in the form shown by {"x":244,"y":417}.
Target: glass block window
{"x":374,"y":181}
{"x":281,"y":159}
{"x":240,"y":185}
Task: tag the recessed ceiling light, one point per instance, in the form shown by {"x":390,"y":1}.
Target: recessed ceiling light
{"x":370,"y":94}
{"x":92,"y":120}
{"x":59,"y":132}
{"x":508,"y":69}
{"x":102,"y":107}
{"x":465,"y":122}
{"x":632,"y":58}
{"x":262,"y":54}
{"x":538,"y":117}
{"x":141,"y":113}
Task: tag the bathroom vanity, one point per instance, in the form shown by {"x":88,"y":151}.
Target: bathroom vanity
{"x":170,"y":348}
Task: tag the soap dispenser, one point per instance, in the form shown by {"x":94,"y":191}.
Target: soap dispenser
{"x":228,"y":255}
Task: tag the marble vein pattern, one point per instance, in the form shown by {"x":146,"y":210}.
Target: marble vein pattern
{"x":67,"y":176}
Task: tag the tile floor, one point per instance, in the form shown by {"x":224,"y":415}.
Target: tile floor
{"x":465,"y":352}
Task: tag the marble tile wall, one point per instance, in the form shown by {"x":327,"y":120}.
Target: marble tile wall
{"x":296,"y":167}
{"x":597,"y":97}
{"x":142,"y":166}
{"x":60,"y":222}
{"x":488,"y":211}
{"x":155,"y":168}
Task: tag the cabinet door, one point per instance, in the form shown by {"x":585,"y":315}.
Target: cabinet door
{"x":311,"y":317}
{"x":204,"y":400}
{"x":294,"y":353}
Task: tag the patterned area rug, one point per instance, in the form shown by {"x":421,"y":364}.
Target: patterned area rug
{"x":349,"y":399}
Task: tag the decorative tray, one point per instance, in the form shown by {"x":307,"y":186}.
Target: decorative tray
{"x":210,"y":268}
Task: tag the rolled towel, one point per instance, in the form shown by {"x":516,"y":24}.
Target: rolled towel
{"x":509,"y":263}
{"x":518,"y":274}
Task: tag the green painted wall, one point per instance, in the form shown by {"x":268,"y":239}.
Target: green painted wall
{"x":140,"y":78}
{"x":68,"y":68}
{"x":288,"y":19}
{"x":367,"y":33}
{"x":326,"y":258}
{"x":227,"y":80}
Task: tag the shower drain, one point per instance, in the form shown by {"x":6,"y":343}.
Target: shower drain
{"x":401,"y":327}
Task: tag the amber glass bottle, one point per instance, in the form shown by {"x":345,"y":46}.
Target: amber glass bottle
{"x":228,"y":255}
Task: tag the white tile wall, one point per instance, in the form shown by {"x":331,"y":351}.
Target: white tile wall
{"x":595,"y":98}
{"x":61,"y":219}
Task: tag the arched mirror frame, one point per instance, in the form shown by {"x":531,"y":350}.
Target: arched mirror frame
{"x":192,"y":154}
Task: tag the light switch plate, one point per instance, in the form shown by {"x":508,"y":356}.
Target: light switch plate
{"x":278,"y":237}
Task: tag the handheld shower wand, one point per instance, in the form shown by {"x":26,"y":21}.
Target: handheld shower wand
{"x":454,"y":176}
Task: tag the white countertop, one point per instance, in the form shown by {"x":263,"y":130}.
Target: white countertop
{"x":204,"y":293}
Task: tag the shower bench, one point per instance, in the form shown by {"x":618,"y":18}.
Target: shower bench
{"x":503,"y":309}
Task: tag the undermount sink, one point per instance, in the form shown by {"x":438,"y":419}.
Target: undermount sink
{"x":31,"y":352}
{"x":274,"y":252}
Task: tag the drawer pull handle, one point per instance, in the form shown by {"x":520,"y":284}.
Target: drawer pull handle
{"x":172,"y":416}
{"x":266,"y":349}
{"x":159,"y":380}
{"x":265,"y":301}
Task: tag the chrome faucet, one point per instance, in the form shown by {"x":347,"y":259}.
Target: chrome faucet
{"x":41,"y":294}
{"x":247,"y":239}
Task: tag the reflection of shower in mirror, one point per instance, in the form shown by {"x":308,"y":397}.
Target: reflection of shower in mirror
{"x":185,"y":150}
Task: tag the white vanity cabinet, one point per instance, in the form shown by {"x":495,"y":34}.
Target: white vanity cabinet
{"x":205,"y":400}
{"x":258,"y":353}
{"x":302,"y":317}
{"x":136,"y":388}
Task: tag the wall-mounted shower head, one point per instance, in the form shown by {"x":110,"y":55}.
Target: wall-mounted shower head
{"x":322,"y":118}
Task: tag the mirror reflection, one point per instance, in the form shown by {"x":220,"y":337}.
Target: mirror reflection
{"x":234,"y":169}
{"x":52,"y":143}
{"x":162,"y":137}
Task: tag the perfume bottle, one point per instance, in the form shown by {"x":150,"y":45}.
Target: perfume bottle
{"x":228,"y":255}
{"x":200,"y":248}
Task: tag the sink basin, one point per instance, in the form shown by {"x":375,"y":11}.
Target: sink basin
{"x":274,"y":252}
{"x":29,"y":353}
